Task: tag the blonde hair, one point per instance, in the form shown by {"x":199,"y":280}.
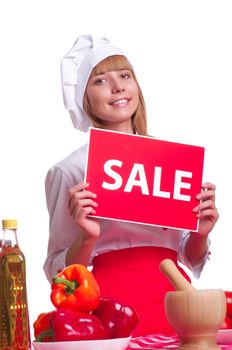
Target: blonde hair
{"x":119,"y":62}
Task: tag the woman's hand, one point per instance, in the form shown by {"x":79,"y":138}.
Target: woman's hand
{"x":81,"y":204}
{"x":206,"y":210}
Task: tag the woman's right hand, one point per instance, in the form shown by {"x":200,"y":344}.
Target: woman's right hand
{"x":81,"y":204}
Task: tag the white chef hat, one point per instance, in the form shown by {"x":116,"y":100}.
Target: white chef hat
{"x":76,"y":67}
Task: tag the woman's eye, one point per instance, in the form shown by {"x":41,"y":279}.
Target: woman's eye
{"x":125,"y":75}
{"x":99,"y":81}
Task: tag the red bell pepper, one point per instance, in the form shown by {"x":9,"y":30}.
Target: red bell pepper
{"x":227,"y":323}
{"x":42,"y":327}
{"x":228,"y":295}
{"x":118,"y":320}
{"x":67,"y":325}
{"x":75,"y":288}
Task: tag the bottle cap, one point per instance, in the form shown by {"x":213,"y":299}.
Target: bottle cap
{"x":6,"y":242}
{"x":11,"y":224}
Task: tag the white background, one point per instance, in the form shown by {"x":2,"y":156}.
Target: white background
{"x":181,"y":52}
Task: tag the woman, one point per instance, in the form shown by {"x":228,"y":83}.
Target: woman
{"x":100,"y":89}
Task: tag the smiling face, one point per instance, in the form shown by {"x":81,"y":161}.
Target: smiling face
{"x":113,"y":97}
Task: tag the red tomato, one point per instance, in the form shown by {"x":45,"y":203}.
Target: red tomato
{"x":228,"y":303}
{"x":227,"y":324}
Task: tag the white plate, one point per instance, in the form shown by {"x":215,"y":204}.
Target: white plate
{"x":106,"y":344}
{"x":224,"y":336}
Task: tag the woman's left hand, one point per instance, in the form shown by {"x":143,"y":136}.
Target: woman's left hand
{"x":206,"y":210}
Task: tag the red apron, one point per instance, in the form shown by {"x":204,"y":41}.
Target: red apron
{"x":132,"y":276}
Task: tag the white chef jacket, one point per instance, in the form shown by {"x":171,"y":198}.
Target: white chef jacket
{"x":114,"y":234}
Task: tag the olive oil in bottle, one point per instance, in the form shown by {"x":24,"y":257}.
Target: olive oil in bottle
{"x":14,"y":319}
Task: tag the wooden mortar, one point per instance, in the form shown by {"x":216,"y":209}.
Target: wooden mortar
{"x":195,"y":315}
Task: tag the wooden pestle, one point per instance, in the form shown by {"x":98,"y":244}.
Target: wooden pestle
{"x":179,"y":282}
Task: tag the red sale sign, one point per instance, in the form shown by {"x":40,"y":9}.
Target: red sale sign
{"x":144,"y":180}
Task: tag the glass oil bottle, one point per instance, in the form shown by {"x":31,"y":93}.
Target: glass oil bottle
{"x":14,"y":317}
